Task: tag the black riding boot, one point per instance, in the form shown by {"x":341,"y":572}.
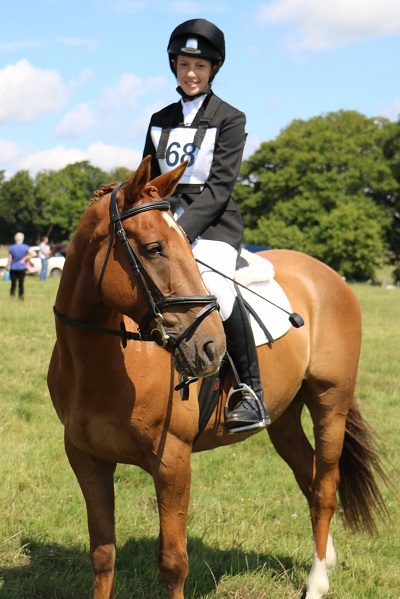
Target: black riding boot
{"x":248,"y":410}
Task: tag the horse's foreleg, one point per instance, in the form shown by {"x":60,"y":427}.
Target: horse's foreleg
{"x":95,"y":478}
{"x":172,"y":478}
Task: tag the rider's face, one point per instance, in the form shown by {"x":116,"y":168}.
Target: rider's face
{"x":193,"y":74}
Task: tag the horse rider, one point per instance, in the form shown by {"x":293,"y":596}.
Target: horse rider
{"x":210,"y":134}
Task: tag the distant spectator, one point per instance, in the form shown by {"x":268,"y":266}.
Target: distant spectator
{"x":44,"y":255}
{"x":18,"y":254}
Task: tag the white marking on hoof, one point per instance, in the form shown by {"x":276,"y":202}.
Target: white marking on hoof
{"x":331,"y":557}
{"x":317,"y":581}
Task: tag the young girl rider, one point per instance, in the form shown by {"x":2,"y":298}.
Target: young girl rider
{"x":210,"y":134}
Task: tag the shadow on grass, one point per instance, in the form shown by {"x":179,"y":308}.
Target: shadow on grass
{"x":57,"y":572}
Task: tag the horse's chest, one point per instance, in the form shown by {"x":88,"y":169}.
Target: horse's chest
{"x":106,"y":435}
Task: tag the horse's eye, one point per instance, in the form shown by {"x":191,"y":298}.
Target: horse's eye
{"x":153,"y":248}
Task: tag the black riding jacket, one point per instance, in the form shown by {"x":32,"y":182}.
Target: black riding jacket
{"x":210,"y":211}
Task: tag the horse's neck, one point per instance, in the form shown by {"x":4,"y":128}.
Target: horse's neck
{"x":78,"y":297}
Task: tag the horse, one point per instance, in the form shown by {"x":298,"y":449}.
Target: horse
{"x":118,"y":395}
{"x":59,"y":248}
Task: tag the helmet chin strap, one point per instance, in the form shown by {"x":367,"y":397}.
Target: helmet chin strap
{"x":187,"y":98}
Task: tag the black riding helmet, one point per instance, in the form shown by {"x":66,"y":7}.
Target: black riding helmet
{"x":197,"y":37}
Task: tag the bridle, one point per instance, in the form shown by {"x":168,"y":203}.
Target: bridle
{"x":157,"y":335}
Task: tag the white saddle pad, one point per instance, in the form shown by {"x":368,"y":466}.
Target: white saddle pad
{"x":258,"y":277}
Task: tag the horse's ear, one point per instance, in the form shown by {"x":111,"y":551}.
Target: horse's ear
{"x":137,"y":181}
{"x":166,"y":183}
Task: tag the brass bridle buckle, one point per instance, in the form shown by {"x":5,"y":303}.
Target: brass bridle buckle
{"x":159,"y":336}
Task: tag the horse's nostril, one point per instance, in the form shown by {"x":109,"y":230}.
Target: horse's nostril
{"x":209,"y":350}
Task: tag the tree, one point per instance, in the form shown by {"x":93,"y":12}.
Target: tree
{"x":64,"y":195}
{"x":18,"y":208}
{"x":47,"y":196}
{"x":119,"y":174}
{"x":314,"y":176}
{"x":350,"y":239}
{"x":391,"y":150}
{"x":52,"y":203}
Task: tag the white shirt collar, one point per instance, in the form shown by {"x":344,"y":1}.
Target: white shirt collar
{"x":191,"y":108}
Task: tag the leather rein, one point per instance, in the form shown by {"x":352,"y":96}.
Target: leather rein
{"x":157,"y":335}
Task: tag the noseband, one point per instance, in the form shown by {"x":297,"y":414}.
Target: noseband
{"x":150,"y":290}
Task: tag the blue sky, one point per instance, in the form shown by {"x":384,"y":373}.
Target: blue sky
{"x":79,"y":80}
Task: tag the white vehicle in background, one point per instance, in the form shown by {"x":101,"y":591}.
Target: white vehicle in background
{"x":55,"y":264}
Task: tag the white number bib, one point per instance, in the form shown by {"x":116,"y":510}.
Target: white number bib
{"x":180,"y":147}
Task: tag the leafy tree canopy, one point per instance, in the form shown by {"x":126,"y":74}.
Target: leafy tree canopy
{"x":391,"y":151}
{"x":322,"y":187}
{"x":18,"y":207}
{"x":64,"y":195}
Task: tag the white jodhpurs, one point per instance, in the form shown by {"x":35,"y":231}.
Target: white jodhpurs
{"x":223,"y":257}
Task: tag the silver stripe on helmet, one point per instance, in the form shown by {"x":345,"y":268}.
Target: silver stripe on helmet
{"x":192,"y":44}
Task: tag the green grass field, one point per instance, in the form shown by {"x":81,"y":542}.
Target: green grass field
{"x":249,"y":529}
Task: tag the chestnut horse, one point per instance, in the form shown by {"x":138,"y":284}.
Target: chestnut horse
{"x":128,"y":263}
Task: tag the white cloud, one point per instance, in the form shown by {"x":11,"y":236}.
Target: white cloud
{"x":78,"y":42}
{"x":125,"y":93}
{"x":138,"y":126}
{"x":98,"y":154}
{"x":126,"y":7}
{"x":51,"y":159}
{"x":76,"y":122}
{"x":335,"y":23}
{"x":185,"y":7}
{"x":391,"y":112}
{"x":27,"y":92}
{"x":252,"y":144}
{"x":9,"y":150}
{"x":120,"y":110}
{"x":193,"y":7}
{"x":18,"y":45}
{"x":108,"y":157}
{"x":83,"y":77}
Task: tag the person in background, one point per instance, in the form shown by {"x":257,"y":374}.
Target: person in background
{"x":18,"y":253}
{"x":44,"y":255}
{"x":210,"y":134}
